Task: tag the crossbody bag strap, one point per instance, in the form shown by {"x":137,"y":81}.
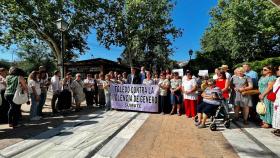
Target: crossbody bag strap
{"x":277,"y":90}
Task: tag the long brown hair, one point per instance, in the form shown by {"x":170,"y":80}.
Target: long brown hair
{"x":271,"y":68}
{"x":33,"y":75}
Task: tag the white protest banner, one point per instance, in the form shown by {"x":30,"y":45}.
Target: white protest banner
{"x":134,"y":97}
{"x":203,"y":73}
{"x":180,"y":71}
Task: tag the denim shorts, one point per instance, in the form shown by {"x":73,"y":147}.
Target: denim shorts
{"x":176,"y":98}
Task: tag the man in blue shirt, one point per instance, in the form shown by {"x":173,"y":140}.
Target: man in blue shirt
{"x":252,"y":74}
{"x":255,"y":98}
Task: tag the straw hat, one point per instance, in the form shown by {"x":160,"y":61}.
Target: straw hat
{"x":224,"y":67}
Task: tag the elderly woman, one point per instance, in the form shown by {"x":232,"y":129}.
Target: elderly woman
{"x":176,"y":95}
{"x":14,"y":78}
{"x":265,"y":86}
{"x":276,"y":113}
{"x":163,"y":88}
{"x":78,"y":93}
{"x":148,"y":81}
{"x":239,"y":84}
{"x":211,"y":101}
{"x":189,"y":87}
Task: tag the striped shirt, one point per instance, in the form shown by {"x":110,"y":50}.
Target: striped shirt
{"x":213,"y":91}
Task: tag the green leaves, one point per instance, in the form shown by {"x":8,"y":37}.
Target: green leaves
{"x":245,"y":30}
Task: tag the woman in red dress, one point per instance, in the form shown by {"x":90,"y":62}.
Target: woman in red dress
{"x":223,"y":83}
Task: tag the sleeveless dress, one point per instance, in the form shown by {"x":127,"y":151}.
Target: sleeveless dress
{"x":221,"y":84}
{"x":263,"y":83}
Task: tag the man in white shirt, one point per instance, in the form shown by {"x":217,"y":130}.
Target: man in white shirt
{"x":56,"y":89}
{"x":89,"y":89}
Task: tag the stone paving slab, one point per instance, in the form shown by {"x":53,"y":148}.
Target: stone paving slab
{"x":114,"y":147}
{"x":176,"y":137}
{"x":252,"y":141}
{"x":77,"y":140}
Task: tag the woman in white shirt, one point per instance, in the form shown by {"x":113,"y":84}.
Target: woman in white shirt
{"x":148,"y":81}
{"x":276,"y":113}
{"x":164,"y":85}
{"x":189,"y":87}
{"x":35,"y":92}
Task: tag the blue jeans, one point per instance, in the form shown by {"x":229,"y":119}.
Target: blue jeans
{"x":34,"y":107}
{"x":42,"y":102}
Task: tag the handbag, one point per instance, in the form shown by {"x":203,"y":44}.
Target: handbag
{"x":261,"y":109}
{"x":20,"y":96}
{"x":251,"y":92}
{"x":271,"y":96}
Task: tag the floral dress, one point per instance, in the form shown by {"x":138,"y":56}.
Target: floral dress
{"x":263,"y":83}
{"x":276,"y":113}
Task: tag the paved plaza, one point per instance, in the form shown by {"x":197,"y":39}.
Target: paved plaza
{"x":126,"y":134}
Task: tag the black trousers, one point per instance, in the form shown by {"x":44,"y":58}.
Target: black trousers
{"x":89,"y":98}
{"x":4,"y":108}
{"x":14,"y":113}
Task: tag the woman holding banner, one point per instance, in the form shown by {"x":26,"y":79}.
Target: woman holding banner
{"x":148,"y":80}
{"x":164,"y":86}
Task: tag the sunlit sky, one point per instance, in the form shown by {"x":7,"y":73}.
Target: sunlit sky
{"x":190,"y":15}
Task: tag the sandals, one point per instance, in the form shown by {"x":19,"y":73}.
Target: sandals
{"x":265,"y":125}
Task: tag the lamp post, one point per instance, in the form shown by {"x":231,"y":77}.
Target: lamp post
{"x":62,"y":26}
{"x":190,"y":54}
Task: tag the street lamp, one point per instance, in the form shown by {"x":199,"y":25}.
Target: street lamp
{"x":62,"y":26}
{"x":190,"y":53}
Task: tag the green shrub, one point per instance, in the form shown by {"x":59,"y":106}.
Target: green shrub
{"x":258,"y":65}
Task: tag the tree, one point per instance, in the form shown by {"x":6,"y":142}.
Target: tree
{"x":35,"y":54}
{"x":245,"y":30}
{"x":22,"y":21}
{"x":143,"y":27}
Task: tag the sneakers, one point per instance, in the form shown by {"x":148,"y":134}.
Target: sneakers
{"x":36,"y":118}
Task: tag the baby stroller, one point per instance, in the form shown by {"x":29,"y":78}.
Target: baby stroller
{"x":221,"y":113}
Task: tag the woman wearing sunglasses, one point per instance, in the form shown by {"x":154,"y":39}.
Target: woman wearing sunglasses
{"x":265,"y":86}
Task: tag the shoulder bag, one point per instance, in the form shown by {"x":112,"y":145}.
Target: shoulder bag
{"x":20,"y":96}
{"x":271,"y":96}
{"x":261,"y":109}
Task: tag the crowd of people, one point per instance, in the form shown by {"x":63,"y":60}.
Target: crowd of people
{"x":194,"y":96}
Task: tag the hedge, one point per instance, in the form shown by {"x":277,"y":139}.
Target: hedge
{"x":258,"y":65}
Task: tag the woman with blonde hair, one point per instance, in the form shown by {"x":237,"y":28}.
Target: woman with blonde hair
{"x":240,"y":83}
